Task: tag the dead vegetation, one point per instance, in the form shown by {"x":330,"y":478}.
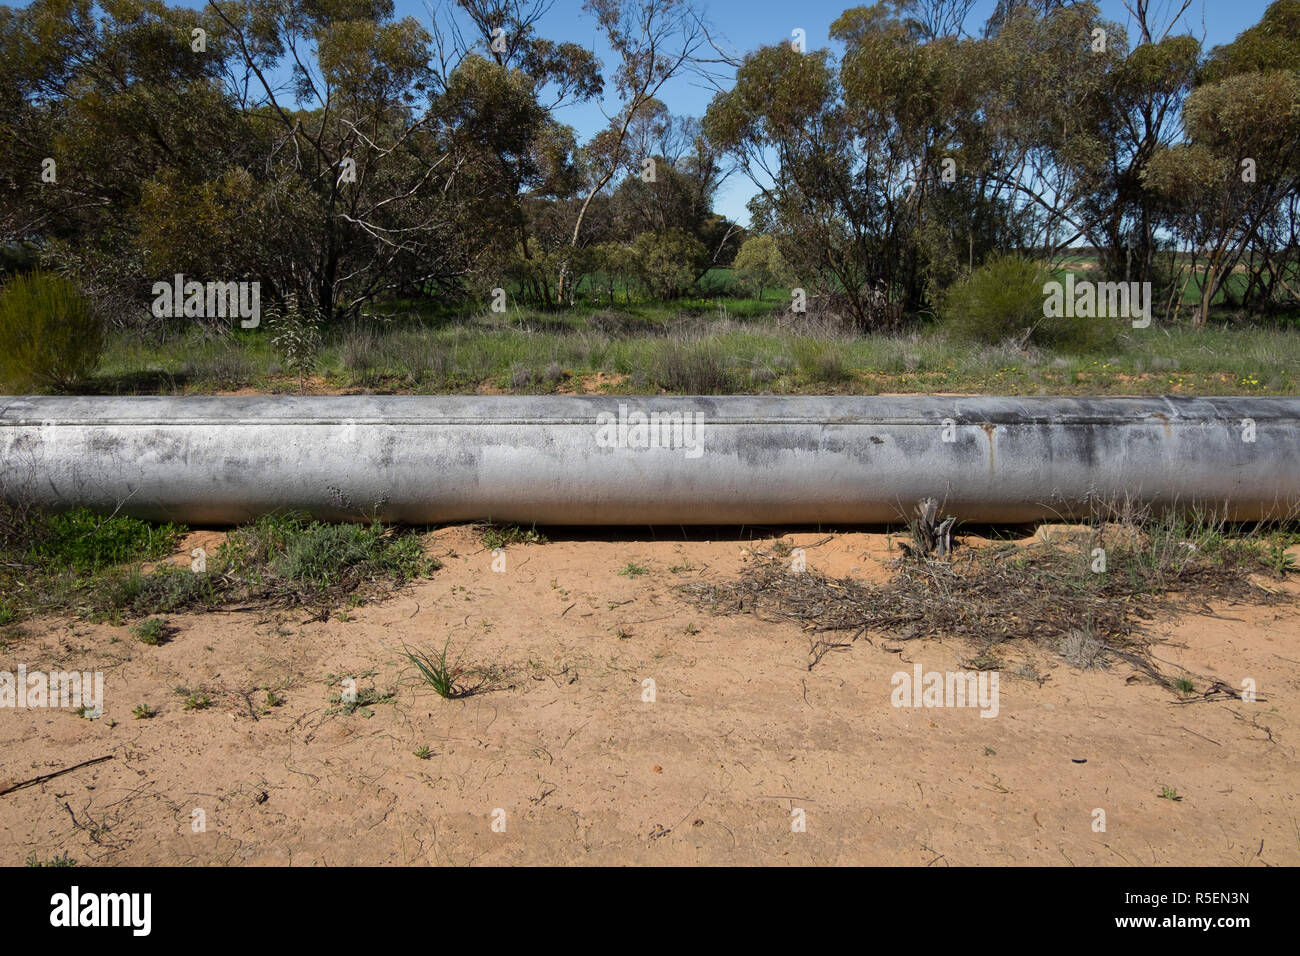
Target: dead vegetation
{"x":1087,"y":601}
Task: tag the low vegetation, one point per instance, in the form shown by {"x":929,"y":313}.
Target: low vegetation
{"x":717,"y":346}
{"x":1085,"y":601}
{"x":95,"y":566}
{"x":50,"y":337}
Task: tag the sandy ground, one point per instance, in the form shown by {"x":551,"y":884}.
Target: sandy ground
{"x":744,"y":755}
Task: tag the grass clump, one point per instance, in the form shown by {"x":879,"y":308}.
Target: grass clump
{"x":151,"y":632}
{"x":698,"y":368}
{"x":436,"y":671}
{"x":50,"y":336}
{"x":293,"y":554}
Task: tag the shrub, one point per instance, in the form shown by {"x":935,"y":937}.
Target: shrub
{"x":1003,"y":300}
{"x":759,"y":265}
{"x":668,"y":262}
{"x":296,"y":335}
{"x":698,"y":369}
{"x":152,"y":631}
{"x":50,"y":336}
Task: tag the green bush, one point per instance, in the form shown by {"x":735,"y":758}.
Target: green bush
{"x":759,"y":265}
{"x":1004,"y":300}
{"x":668,"y":262}
{"x":50,"y":336}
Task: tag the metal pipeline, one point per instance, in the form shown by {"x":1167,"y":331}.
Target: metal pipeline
{"x":649,"y":460}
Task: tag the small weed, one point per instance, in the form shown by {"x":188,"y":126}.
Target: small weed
{"x":58,"y":860}
{"x":1279,"y":560}
{"x":365,"y":699}
{"x":144,"y":712}
{"x":198,"y":702}
{"x":502,"y":535}
{"x":437,"y":673}
{"x":152,"y":631}
{"x":424,"y":753}
{"x":633,"y":570}
{"x":1169,"y":793}
{"x":1184,"y":686}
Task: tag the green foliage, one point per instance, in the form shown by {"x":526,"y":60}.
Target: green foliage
{"x":1272,"y":44}
{"x":151,"y":632}
{"x":1003,"y":300}
{"x":50,"y":336}
{"x":296,"y":335}
{"x":436,"y":671}
{"x":820,"y":362}
{"x":324,"y":555}
{"x":198,"y":701}
{"x":669,"y":262}
{"x":500,"y":536}
{"x":86,"y":543}
{"x":759,"y":265}
{"x":90,"y":564}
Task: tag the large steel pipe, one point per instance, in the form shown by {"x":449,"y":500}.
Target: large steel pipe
{"x":649,"y":460}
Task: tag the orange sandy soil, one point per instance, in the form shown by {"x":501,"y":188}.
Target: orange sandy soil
{"x":582,"y":770}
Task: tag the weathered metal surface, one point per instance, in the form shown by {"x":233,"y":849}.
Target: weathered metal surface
{"x":723,"y":460}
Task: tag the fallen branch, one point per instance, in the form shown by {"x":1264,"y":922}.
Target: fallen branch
{"x":50,"y":776}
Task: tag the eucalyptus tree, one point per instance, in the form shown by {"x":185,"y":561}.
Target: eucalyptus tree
{"x":654,"y":41}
